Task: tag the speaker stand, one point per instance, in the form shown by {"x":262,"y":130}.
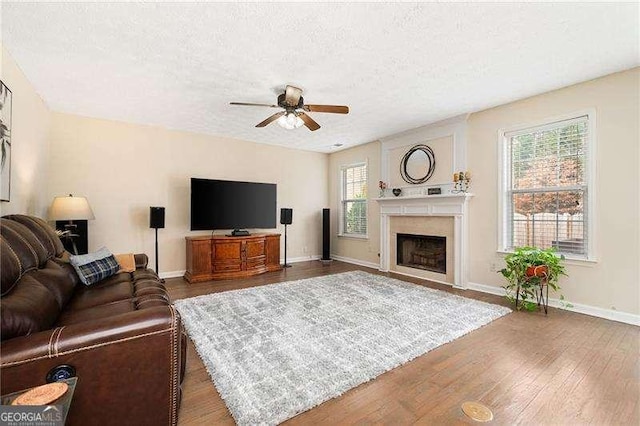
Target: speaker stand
{"x":286,"y":265}
{"x":157,"y":270}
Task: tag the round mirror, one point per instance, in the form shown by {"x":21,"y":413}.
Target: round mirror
{"x":418,"y":164}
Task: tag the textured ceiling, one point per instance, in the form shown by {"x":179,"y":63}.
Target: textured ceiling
{"x":398,"y":66}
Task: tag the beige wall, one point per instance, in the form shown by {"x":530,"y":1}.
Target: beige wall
{"x":30,"y":145}
{"x":613,"y":281}
{"x":443,"y":152}
{"x":365,"y":250}
{"x":124,"y":168}
{"x":610,"y":283}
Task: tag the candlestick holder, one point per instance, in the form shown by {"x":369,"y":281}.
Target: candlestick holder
{"x":461,"y":182}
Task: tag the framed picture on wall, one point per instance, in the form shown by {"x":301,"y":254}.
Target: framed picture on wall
{"x":5,"y":139}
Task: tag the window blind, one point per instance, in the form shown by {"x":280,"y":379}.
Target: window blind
{"x":547,"y":186}
{"x":354,"y":199}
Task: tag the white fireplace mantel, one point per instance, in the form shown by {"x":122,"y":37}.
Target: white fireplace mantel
{"x":452,"y":205}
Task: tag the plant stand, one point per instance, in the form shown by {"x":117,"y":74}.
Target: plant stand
{"x":542,"y":293}
{"x":542,"y":297}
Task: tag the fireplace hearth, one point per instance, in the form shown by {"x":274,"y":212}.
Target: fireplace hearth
{"x":424,"y":252}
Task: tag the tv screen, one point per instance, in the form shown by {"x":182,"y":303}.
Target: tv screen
{"x":224,"y":204}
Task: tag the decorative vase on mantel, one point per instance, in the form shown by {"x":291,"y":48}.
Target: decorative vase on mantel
{"x":382,"y":185}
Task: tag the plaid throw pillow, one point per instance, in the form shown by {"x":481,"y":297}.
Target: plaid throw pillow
{"x":94,"y":267}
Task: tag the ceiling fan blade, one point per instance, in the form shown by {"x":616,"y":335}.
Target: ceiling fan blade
{"x":292,"y":95}
{"x":336,"y":109}
{"x":271,"y":119}
{"x":309,"y":122}
{"x":251,"y":104}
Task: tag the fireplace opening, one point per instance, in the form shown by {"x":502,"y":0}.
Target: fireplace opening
{"x":422,"y":252}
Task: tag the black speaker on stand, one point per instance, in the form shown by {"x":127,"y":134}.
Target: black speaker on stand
{"x":286,"y":218}
{"x":326,"y":224}
{"x":156,"y":220}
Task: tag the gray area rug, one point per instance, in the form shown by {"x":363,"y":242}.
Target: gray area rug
{"x":278,"y":350}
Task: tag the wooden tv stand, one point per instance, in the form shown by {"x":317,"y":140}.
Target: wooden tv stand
{"x":221,"y":257}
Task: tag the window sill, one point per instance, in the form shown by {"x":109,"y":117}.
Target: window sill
{"x":580,"y":261}
{"x":354,"y":236}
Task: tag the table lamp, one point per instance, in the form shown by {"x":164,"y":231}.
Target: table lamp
{"x":69,"y":209}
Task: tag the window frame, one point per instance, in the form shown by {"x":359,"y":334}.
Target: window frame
{"x":504,"y":180}
{"x":343,"y":200}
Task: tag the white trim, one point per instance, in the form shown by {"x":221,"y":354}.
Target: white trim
{"x":593,"y":311}
{"x":504,"y":184}
{"x":301,"y":258}
{"x":456,"y":127}
{"x":568,"y":259}
{"x":592,"y":253}
{"x":547,"y":125}
{"x":355,"y":261}
{"x":356,"y":236}
{"x":449,"y":205}
{"x":491,"y":289}
{"x":423,"y":278}
{"x":341,"y":198}
{"x":172,"y":274}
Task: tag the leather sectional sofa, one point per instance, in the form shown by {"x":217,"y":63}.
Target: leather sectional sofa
{"x":121,"y":337}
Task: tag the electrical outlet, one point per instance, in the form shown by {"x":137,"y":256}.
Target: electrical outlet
{"x":493,"y":267}
{"x":305,"y":249}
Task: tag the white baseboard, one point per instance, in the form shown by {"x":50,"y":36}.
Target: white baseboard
{"x":356,"y":261}
{"x":594,"y":311}
{"x":301,"y":258}
{"x":498,"y":291}
{"x":172,"y":274}
{"x":421,"y":278}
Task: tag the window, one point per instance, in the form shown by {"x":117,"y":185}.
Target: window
{"x":546,"y":187}
{"x":354,"y":200}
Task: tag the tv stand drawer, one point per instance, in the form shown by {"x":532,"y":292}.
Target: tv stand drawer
{"x":226,"y":266}
{"x":256,"y":262}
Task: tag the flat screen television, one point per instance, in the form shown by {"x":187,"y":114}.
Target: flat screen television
{"x":224,"y":204}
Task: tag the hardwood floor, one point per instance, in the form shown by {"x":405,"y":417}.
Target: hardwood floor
{"x":564,"y":368}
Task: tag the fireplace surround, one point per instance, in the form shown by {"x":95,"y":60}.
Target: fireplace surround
{"x":445,"y":205}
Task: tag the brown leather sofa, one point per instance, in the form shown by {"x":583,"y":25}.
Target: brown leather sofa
{"x":121,"y":336}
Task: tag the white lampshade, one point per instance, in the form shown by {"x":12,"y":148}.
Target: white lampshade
{"x":290,"y":121}
{"x":70,"y":208}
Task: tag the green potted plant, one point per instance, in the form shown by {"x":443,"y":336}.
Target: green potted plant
{"x":527,"y":268}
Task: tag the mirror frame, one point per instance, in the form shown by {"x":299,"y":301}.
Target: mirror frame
{"x":405,"y":161}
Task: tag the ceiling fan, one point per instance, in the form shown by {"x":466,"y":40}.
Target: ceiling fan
{"x":294,"y":114}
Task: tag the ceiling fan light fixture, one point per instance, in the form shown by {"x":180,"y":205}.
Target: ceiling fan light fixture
{"x":295,"y":111}
{"x":290,"y":121}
